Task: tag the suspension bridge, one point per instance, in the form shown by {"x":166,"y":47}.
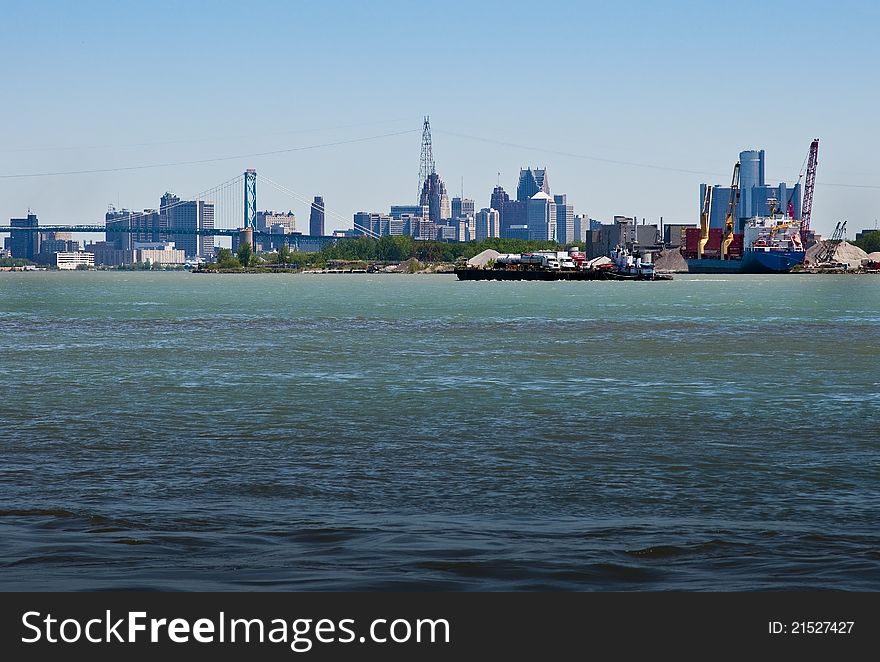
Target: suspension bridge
{"x":231,"y":212}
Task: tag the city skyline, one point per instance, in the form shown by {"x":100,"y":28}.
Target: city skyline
{"x":634,"y":130}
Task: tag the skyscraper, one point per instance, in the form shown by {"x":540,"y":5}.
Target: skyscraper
{"x":25,"y":245}
{"x":564,"y":220}
{"x":488,"y":224}
{"x":497,"y":201}
{"x":541,"y":214}
{"x":191,"y":216}
{"x":316,"y":217}
{"x":462,"y":207}
{"x":434,"y":195}
{"x":530,"y":182}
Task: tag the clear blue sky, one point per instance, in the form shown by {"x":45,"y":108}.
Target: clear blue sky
{"x":682,"y":85}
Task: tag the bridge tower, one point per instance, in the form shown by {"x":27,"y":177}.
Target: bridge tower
{"x":250,"y":198}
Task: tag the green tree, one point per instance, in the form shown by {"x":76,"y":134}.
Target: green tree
{"x":226,"y":260}
{"x":245,"y":254}
{"x":870,"y":242}
{"x":285,"y":255}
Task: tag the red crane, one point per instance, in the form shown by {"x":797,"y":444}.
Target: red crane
{"x":807,"y":208}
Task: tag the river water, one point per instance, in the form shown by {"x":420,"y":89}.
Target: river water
{"x":371,"y":432}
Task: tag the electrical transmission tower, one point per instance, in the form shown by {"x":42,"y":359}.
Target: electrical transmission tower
{"x":426,"y":168}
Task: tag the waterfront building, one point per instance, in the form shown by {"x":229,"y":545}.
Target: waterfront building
{"x":487,"y":224}
{"x":564,"y":220}
{"x":159,"y":253}
{"x":108,"y":254}
{"x":24,"y":244}
{"x":316,"y":217}
{"x":70,"y":261}
{"x":532,"y":181}
{"x":755,"y":194}
{"x":541,"y":217}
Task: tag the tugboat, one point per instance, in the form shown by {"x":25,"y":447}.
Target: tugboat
{"x":634,"y":266}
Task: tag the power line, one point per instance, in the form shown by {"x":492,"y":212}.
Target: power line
{"x":634,"y":164}
{"x":201,"y":161}
{"x":192,"y":140}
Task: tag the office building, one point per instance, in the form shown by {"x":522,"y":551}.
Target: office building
{"x":462,"y":207}
{"x":435,"y":197}
{"x":372,"y":224}
{"x":267,"y":218}
{"x":541,"y":217}
{"x":564,"y":220}
{"x":756,"y":196}
{"x":581,"y":228}
{"x":497,"y":201}
{"x":316,"y":217}
{"x":24,"y":244}
{"x":125,"y":227}
{"x":190,"y":216}
{"x":514,"y":220}
{"x":399,"y":211}
{"x":487,"y":224}
{"x":532,"y":181}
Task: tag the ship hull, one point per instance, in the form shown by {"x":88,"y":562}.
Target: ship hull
{"x":753,"y":262}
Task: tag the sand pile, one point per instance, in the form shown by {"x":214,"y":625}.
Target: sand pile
{"x":845,"y":252}
{"x":670,"y":261}
{"x":482,"y":259}
{"x":874,"y":257}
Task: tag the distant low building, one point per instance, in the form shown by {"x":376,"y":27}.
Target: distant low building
{"x":73,"y":260}
{"x":160,"y":253}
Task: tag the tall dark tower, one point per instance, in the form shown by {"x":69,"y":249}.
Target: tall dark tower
{"x":316,"y":217}
{"x":426,"y":168}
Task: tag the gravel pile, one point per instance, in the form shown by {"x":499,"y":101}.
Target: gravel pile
{"x":845,"y":252}
{"x":670,"y":262}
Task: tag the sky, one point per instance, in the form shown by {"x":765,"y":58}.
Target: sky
{"x":630,"y":105}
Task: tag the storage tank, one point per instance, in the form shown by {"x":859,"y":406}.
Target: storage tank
{"x":246,"y":236}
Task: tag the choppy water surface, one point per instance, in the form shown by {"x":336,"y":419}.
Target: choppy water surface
{"x":178,"y":431}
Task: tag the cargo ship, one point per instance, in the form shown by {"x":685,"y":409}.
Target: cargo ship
{"x":768,"y":245}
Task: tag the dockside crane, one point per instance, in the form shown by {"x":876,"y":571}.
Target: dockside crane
{"x":831,"y":245}
{"x":704,"y":221}
{"x":809,"y":186}
{"x":731,"y":212}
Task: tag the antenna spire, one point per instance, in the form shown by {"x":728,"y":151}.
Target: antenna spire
{"x":426,"y":167}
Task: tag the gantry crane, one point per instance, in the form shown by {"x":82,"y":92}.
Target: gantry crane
{"x":729,"y":222}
